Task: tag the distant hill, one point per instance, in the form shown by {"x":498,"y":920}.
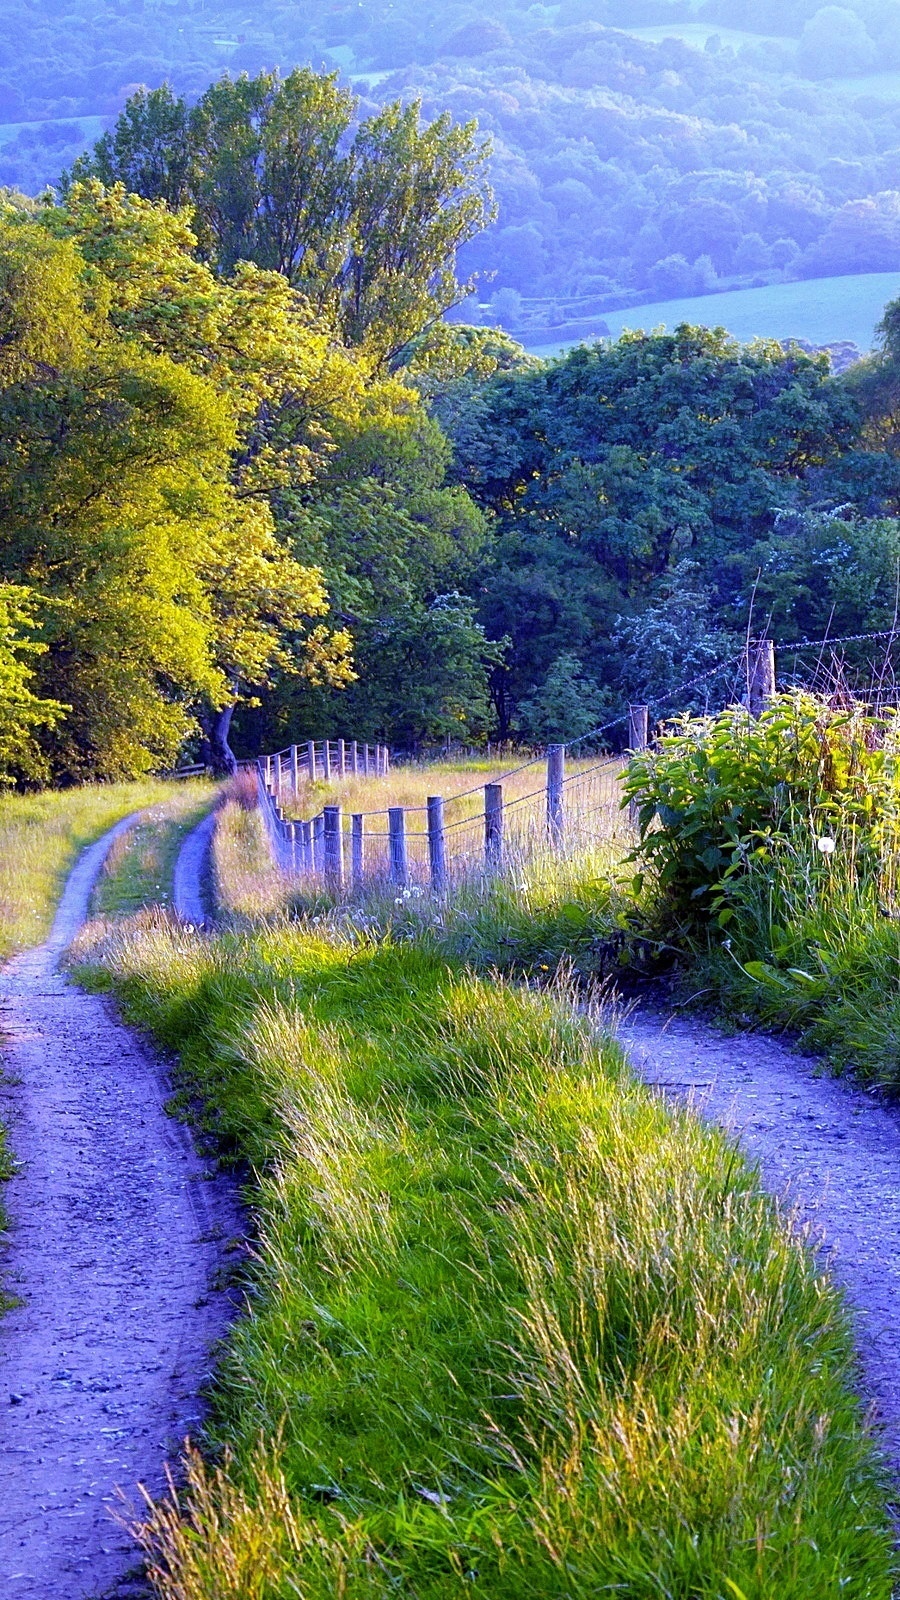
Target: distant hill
{"x":644,"y":149}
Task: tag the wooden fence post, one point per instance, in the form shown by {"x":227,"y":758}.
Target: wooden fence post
{"x":311,"y":759}
{"x":357,"y":867}
{"x":354,"y":757}
{"x":556,"y":772}
{"x":386,"y":758}
{"x":342,"y":758}
{"x":306,"y":852}
{"x":397,"y":842}
{"x":638,"y":727}
{"x":366,"y":760}
{"x":295,"y":770}
{"x":318,"y":840}
{"x":493,"y":824}
{"x":293,"y":828}
{"x":333,"y":837}
{"x":760,"y":674}
{"x":278,"y":778}
{"x":437,"y":844}
{"x":326,"y":759}
{"x":268,"y":761}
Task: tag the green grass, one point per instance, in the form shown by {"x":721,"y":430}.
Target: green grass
{"x":138,"y":870}
{"x":814,"y":947}
{"x":40,"y":837}
{"x":818,"y":309}
{"x":514,"y":1327}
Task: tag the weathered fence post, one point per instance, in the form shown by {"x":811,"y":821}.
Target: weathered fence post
{"x":437,"y":844}
{"x":278,"y":778}
{"x":318,"y":840}
{"x":366,"y":760}
{"x":342,"y":758}
{"x":307,"y":846}
{"x":333,"y":832}
{"x":638,"y":727}
{"x":386,"y":758}
{"x":354,"y":757}
{"x":295,"y":770}
{"x":556,"y":773}
{"x":357,"y":868}
{"x":397,"y":843}
{"x":311,"y":759}
{"x":760,"y":674}
{"x":293,"y":828}
{"x":493,"y":824}
{"x":268,"y":761}
{"x":326,"y":759}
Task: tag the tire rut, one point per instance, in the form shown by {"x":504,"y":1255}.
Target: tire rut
{"x":827,"y":1148}
{"x":114,"y":1241}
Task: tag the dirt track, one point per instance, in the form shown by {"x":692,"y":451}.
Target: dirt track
{"x":831,"y":1150}
{"x":116,"y":1234}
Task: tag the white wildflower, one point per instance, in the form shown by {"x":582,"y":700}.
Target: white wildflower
{"x":825,"y":846}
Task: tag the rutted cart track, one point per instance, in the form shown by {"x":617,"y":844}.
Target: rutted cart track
{"x":115,"y":1238}
{"x":824,"y":1146}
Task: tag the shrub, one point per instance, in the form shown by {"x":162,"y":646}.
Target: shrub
{"x":718,"y":793}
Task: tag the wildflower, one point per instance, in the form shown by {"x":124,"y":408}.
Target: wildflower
{"x":825,"y":846}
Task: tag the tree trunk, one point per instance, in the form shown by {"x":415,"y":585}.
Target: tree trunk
{"x":222,"y":758}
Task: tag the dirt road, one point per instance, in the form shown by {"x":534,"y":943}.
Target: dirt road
{"x":115,"y":1237}
{"x":830,"y":1149}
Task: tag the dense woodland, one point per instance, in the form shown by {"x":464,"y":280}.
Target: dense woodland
{"x":248,"y":472}
{"x":626,"y":169}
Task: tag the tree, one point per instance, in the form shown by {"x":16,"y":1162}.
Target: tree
{"x":22,"y":712}
{"x":566,"y":706}
{"x":123,"y":502}
{"x":366,"y":229}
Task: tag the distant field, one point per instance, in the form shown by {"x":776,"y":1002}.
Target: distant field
{"x":697,"y":33}
{"x":819,"y":309}
{"x":884,"y":85}
{"x":91,"y":127}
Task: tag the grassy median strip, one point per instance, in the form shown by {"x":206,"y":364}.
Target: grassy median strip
{"x":138,"y":870}
{"x":515,"y":1326}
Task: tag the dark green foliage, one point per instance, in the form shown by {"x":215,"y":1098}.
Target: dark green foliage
{"x":607,"y":469}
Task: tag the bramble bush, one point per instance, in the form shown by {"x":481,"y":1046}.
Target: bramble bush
{"x":719,"y":795}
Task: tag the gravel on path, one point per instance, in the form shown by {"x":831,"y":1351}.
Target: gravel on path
{"x":116,"y":1235}
{"x":826,"y":1147}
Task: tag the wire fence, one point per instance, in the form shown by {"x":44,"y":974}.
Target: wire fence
{"x":558,"y":798}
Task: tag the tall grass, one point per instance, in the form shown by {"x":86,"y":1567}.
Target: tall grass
{"x":514,"y":1327}
{"x":40,"y":838}
{"x":814,"y":946}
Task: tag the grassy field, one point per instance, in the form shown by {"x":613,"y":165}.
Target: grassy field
{"x":515,"y":1327}
{"x":591,"y":802}
{"x":138,"y":870}
{"x":818,"y":309}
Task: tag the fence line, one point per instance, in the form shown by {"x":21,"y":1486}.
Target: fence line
{"x":340,"y":849}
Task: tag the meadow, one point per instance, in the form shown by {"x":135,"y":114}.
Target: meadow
{"x":821,"y":310}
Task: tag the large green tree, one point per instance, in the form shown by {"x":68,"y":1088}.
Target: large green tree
{"x":365,"y":222}
{"x":603,"y":470}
